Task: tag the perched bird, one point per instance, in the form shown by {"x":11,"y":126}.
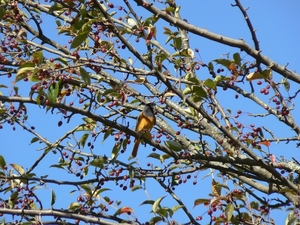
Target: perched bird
{"x":144,"y":124}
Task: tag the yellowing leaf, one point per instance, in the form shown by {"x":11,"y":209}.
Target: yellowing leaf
{"x":131,"y":22}
{"x":122,"y":210}
{"x":130,"y":61}
{"x":266,"y":74}
{"x":191,"y":53}
{"x":141,"y":80}
{"x":61,"y":95}
{"x":254,"y":76}
{"x":169,"y":94}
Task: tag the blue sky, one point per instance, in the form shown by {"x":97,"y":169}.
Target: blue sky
{"x":278,"y":29}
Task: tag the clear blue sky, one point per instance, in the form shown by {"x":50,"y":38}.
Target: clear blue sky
{"x":278,"y":29}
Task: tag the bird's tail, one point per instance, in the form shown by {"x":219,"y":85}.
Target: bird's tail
{"x":135,"y":147}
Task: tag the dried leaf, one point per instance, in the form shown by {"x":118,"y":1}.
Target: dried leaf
{"x":266,"y":143}
{"x":216,"y":188}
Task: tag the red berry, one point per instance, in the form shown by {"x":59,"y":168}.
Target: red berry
{"x":199,"y":218}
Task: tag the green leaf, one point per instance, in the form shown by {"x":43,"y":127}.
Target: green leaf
{"x":24,"y":71}
{"x":83,"y":139}
{"x":177,"y":43}
{"x":211,"y":66}
{"x":163,"y":212}
{"x":35,"y":139}
{"x":286,"y":84}
{"x":116,"y":150}
{"x":223,"y":62}
{"x":210,"y":83}
{"x":87,"y":188}
{"x":287,"y":190}
{"x":18,"y":168}
{"x":38,"y":55}
{"x":176,"y":208}
{"x":161,"y":57}
{"x":85,"y":171}
{"x":2,"y":11}
{"x":85,"y":76}
{"x":79,"y":39}
{"x":147,"y":202}
{"x":99,"y":191}
{"x":2,"y":162}
{"x":254,"y":205}
{"x":229,"y":211}
{"x":56,"y":7}
{"x":199,"y":92}
{"x":237,"y":58}
{"x":13,"y":199}
{"x":173,"y":145}
{"x":154,"y":155}
{"x":156,"y":204}
{"x":53,"y":92}
{"x":107,"y":134}
{"x":59,"y":166}
{"x":131,"y":173}
{"x":136,"y":187}
{"x":58,"y":23}
{"x":99,"y":162}
{"x":107,"y":199}
{"x":108,"y":91}
{"x":155,"y":220}
{"x":62,"y":60}
{"x":84,"y":127}
{"x":190,"y":89}
{"x":26,"y":64}
{"x":201,"y":201}
{"x":74,"y":206}
{"x":220,"y":78}
{"x":16,"y":89}
{"x":53,"y":197}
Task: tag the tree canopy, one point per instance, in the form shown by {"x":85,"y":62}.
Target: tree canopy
{"x":75,"y":75}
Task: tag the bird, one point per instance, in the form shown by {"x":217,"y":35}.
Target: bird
{"x":146,"y":120}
